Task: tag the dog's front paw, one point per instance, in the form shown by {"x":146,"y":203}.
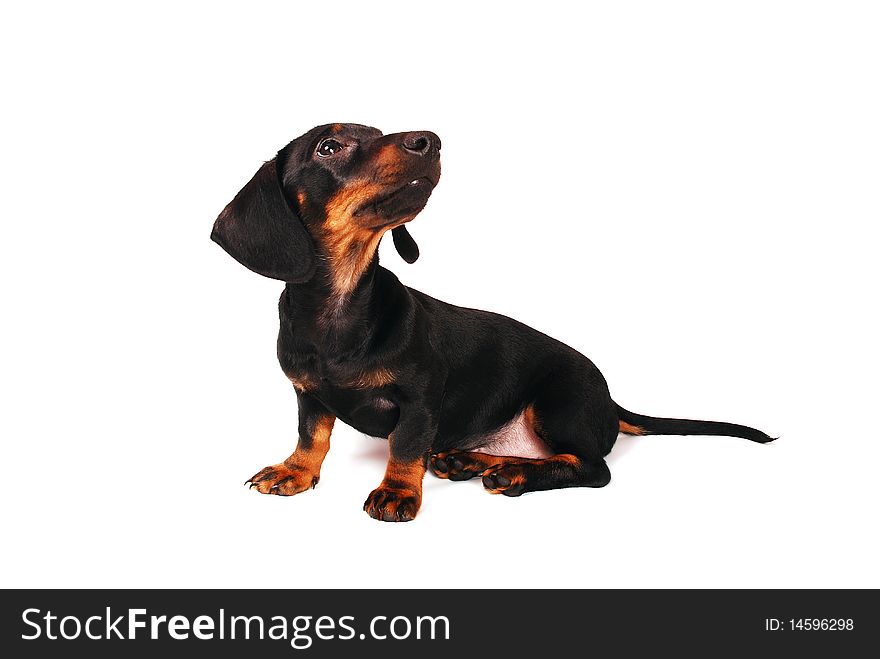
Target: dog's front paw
{"x":458,"y":465}
{"x":392,"y":504}
{"x":283,"y":479}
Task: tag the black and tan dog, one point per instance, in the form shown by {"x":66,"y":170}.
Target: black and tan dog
{"x":469,"y":392}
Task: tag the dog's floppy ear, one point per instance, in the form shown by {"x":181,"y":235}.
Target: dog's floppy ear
{"x":261,"y":231}
{"x":405,"y":244}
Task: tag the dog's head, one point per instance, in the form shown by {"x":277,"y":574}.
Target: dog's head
{"x":334,"y":191}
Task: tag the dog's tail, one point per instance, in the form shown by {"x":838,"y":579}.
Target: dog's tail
{"x":638,"y":424}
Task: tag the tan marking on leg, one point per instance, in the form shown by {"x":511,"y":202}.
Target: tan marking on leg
{"x":312,"y":458}
{"x":302,"y":469}
{"x":564,"y":458}
{"x":531,"y":418}
{"x":472,"y":464}
{"x":402,"y":474}
{"x":514,"y":470}
{"x":486,"y":460}
{"x":399,"y":495}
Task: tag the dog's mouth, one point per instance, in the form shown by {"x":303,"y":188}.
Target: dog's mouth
{"x":405,"y":201}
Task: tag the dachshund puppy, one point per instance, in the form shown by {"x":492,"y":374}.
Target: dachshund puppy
{"x":466,"y":392}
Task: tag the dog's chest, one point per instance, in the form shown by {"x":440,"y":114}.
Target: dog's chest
{"x":359,"y":394}
{"x":359,"y":398}
{"x":314,"y":374}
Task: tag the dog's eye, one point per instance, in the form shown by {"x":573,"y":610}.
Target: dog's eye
{"x":328,"y":147}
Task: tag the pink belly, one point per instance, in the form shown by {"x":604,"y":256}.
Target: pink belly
{"x":515,"y":439}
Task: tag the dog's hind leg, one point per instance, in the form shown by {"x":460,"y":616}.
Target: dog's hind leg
{"x":563,"y":470}
{"x":573,"y":414}
{"x":514,"y":476}
{"x":515,"y":440}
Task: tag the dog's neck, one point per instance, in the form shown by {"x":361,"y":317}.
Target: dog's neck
{"x":333,"y":316}
{"x":348,"y":254}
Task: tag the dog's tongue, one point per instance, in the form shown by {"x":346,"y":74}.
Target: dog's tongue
{"x":405,"y":244}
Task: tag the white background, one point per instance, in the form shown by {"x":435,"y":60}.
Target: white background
{"x":687,"y":192}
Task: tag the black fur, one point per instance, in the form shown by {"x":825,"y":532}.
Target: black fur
{"x":405,"y":245}
{"x":660,"y":426}
{"x":259,"y":229}
{"x":393,"y":362}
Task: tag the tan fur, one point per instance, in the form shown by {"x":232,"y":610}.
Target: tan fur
{"x":406,"y":476}
{"x":349,"y":247}
{"x":515,"y":473}
{"x":301,"y":383}
{"x":474,"y":461}
{"x":302,"y":469}
{"x":373,"y":379}
{"x":629,"y":429}
{"x":531,"y":418}
{"x":313,"y":457}
{"x":566,"y":458}
{"x":399,"y":495}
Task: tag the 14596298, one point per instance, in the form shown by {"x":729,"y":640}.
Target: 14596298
{"x":809,"y":624}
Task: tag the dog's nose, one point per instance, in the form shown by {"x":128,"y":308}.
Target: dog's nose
{"x":421,"y":142}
